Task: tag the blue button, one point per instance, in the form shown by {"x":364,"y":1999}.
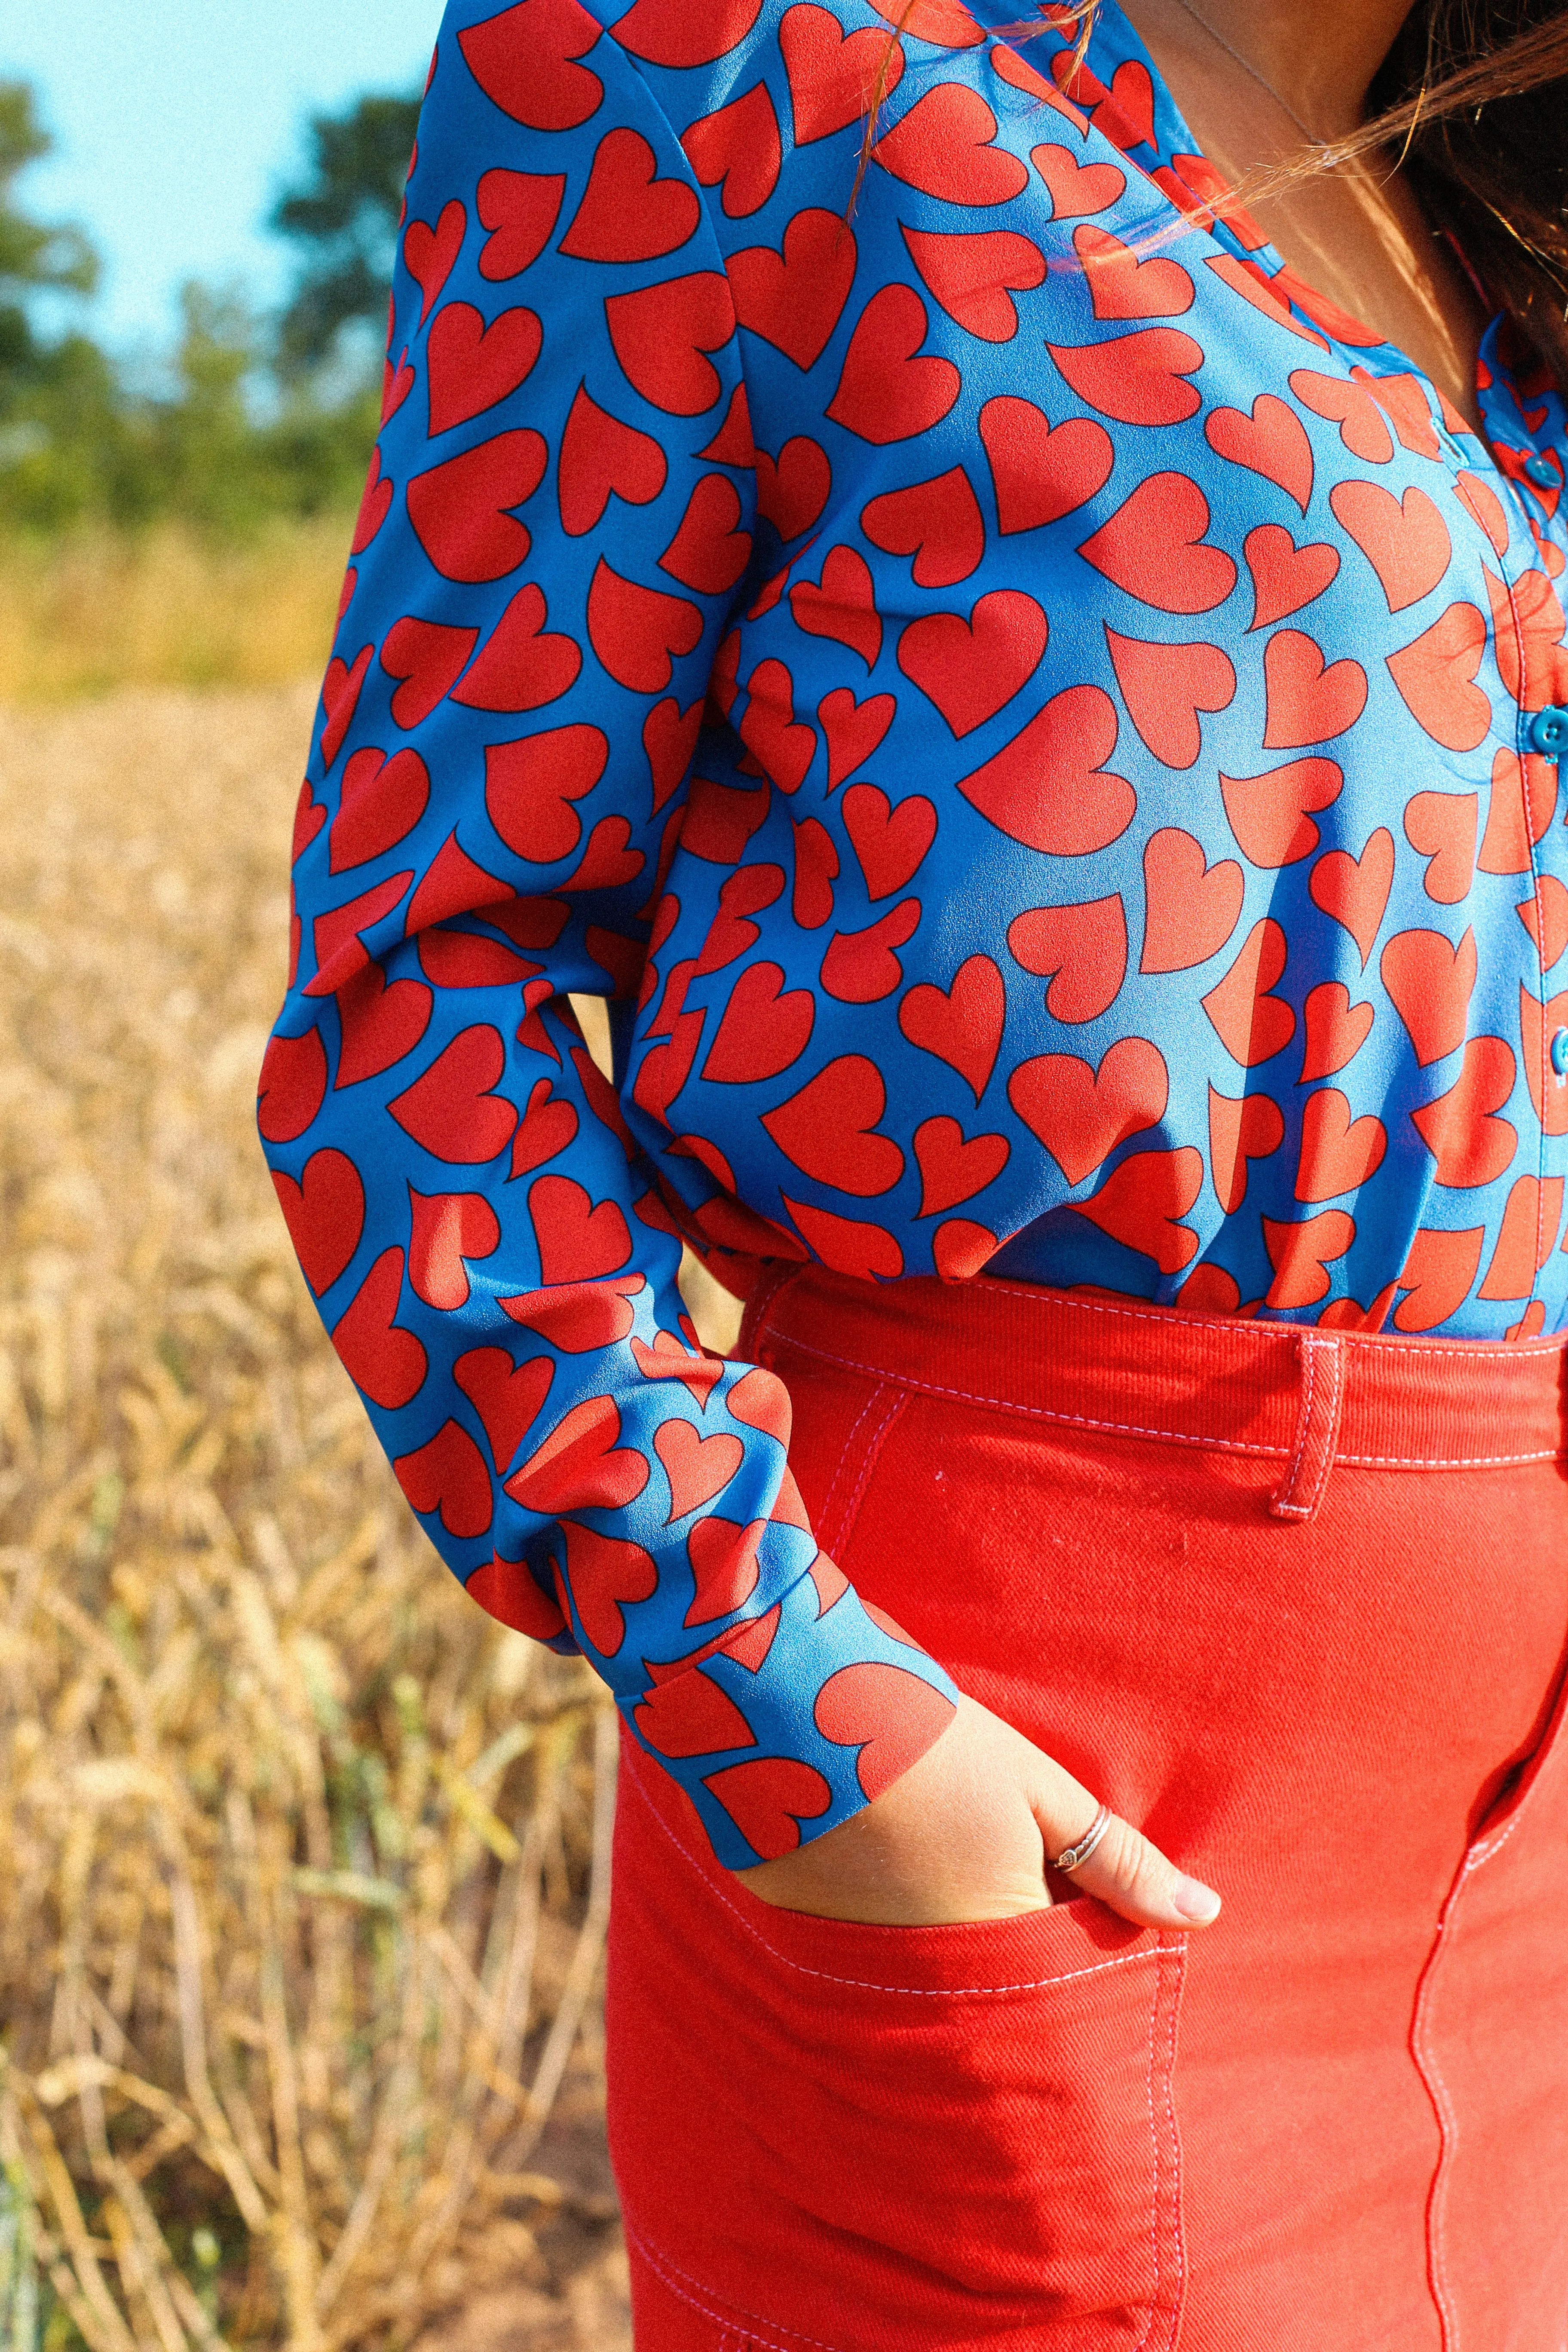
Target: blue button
{"x":1549,"y":732}
{"x":1560,"y":1052}
{"x":1542,"y":470}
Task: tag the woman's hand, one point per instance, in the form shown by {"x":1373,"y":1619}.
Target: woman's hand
{"x":965,"y":1835}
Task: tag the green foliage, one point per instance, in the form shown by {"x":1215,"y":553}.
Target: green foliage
{"x":345,"y":222}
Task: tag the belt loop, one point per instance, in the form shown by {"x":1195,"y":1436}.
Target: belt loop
{"x":1317,"y":1428}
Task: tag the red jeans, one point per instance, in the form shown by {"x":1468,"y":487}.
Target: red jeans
{"x":1297,"y":1603}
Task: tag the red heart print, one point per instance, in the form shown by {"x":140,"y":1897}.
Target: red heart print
{"x":1538,"y":1022}
{"x":721,"y":820}
{"x":386,"y":1363}
{"x":1401,"y":397}
{"x":324,"y":1211}
{"x":453,"y":885}
{"x":378,"y":1024}
{"x":731,"y":932}
{"x":547,"y":1126}
{"x":581,"y":1465}
{"x":1545,"y":918}
{"x":638,"y":633}
{"x":465,"y":960}
{"x":971,"y":669}
{"x":1240,"y":1131}
{"x":1363,"y":428}
{"x":954,"y":1168}
{"x":974,"y":275}
{"x":760,"y":1400}
{"x":522,"y":664}
{"x":1122,"y":287}
{"x":667,"y":1360}
{"x":668,"y":32}
{"x":1285,"y":577}
{"x":938,"y":522}
{"x":843,"y":606}
{"x":1438,"y":1274}
{"x":1269,"y":814}
{"x":1138,"y":379}
{"x":448,"y":1476}
{"x":309,"y":816}
{"x":662,"y":336}
{"x":1142,"y":1202}
{"x":429,"y":254}
{"x":890,"y":843}
{"x":1487,"y":508}
{"x":451,"y":1109}
{"x":1273,"y":441}
{"x":737,"y":148}
{"x":670,"y":738}
{"x":340,"y":700}
{"x":1338,"y":1154}
{"x":603,"y":1573}
{"x":1470,"y":1144}
{"x":520,"y":209}
{"x":372,"y":505}
{"x":428,"y":658}
{"x":461,"y":509}
{"x":506,"y":1590}
{"x":852,"y":1245}
{"x":1076,"y":188}
{"x":396,"y":384}
{"x":1081,"y":1114}
{"x":696,"y":1467}
{"x":578,"y":1318}
{"x":1125,"y":114}
{"x":852,"y":730}
{"x":833,"y":73}
{"x":605,"y":864}
{"x":1301,"y":1255}
{"x":507,"y":1396}
{"x":792,"y":491}
{"x":470,"y":366}
{"x":708,"y":552}
{"x":795,"y":297}
{"x":767,"y":1797}
{"x":1049,"y":788}
{"x":827,"y":1129}
{"x":1040,"y":471}
{"x":1252,"y":1025}
{"x":1152,"y":546}
{"x":943,"y":147}
{"x":962,"y":1026}
{"x":1526,"y":1240}
{"x":1523,"y":797}
{"x":577,"y":1242}
{"x":628,"y":212}
{"x":529,"y":784}
{"x":1309,"y":698}
{"x":1355,"y":891}
{"x":1405,"y":542}
{"x":890,"y":1715}
{"x":337,"y":933}
{"x":691,"y":1716}
{"x":1271,"y":295}
{"x":1165,"y":687}
{"x":960,"y":1249}
{"x":765,"y":1029}
{"x":1190,"y":908}
{"x":601,"y":457}
{"x":782,"y":745}
{"x":292,"y":1086}
{"x":525,"y":62}
{"x":1082,"y":950}
{"x":380,"y":803}
{"x":1336,"y":1030}
{"x":444,"y":1229}
{"x":1528,"y":626}
{"x":860,"y":967}
{"x":945,"y":24}
{"x":723,"y":1556}
{"x":886,"y":391}
{"x":1430,"y":981}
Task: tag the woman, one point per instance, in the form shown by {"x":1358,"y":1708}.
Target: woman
{"x":1045,"y":729}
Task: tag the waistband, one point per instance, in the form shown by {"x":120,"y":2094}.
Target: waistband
{"x":1306,"y":1399}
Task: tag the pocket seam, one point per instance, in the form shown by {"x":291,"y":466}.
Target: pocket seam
{"x":1152,"y":1952}
{"x":667,"y":2273}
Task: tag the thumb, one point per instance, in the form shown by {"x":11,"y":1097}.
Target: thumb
{"x":1124,"y":1870}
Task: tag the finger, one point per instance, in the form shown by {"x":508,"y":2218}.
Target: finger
{"x":1126,"y":1871}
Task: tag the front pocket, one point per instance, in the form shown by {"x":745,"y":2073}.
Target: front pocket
{"x":888,"y":2139}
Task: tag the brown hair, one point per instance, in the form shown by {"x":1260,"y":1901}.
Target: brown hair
{"x":1474,"y":96}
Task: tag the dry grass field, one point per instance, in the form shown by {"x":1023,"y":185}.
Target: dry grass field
{"x":304,"y":1859}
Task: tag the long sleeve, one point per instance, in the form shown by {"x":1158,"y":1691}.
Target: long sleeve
{"x":556,"y":534}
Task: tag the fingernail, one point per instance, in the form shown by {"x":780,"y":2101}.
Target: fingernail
{"x":1195,"y":1901}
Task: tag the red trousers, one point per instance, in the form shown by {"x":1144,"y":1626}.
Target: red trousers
{"x":1297,"y":1603}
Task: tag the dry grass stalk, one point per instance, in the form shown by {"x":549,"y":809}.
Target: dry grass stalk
{"x":306,"y":1860}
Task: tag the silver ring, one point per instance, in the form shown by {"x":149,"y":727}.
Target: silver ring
{"x":1078,"y":1854}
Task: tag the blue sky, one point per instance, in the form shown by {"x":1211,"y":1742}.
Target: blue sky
{"x":177,"y":121}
